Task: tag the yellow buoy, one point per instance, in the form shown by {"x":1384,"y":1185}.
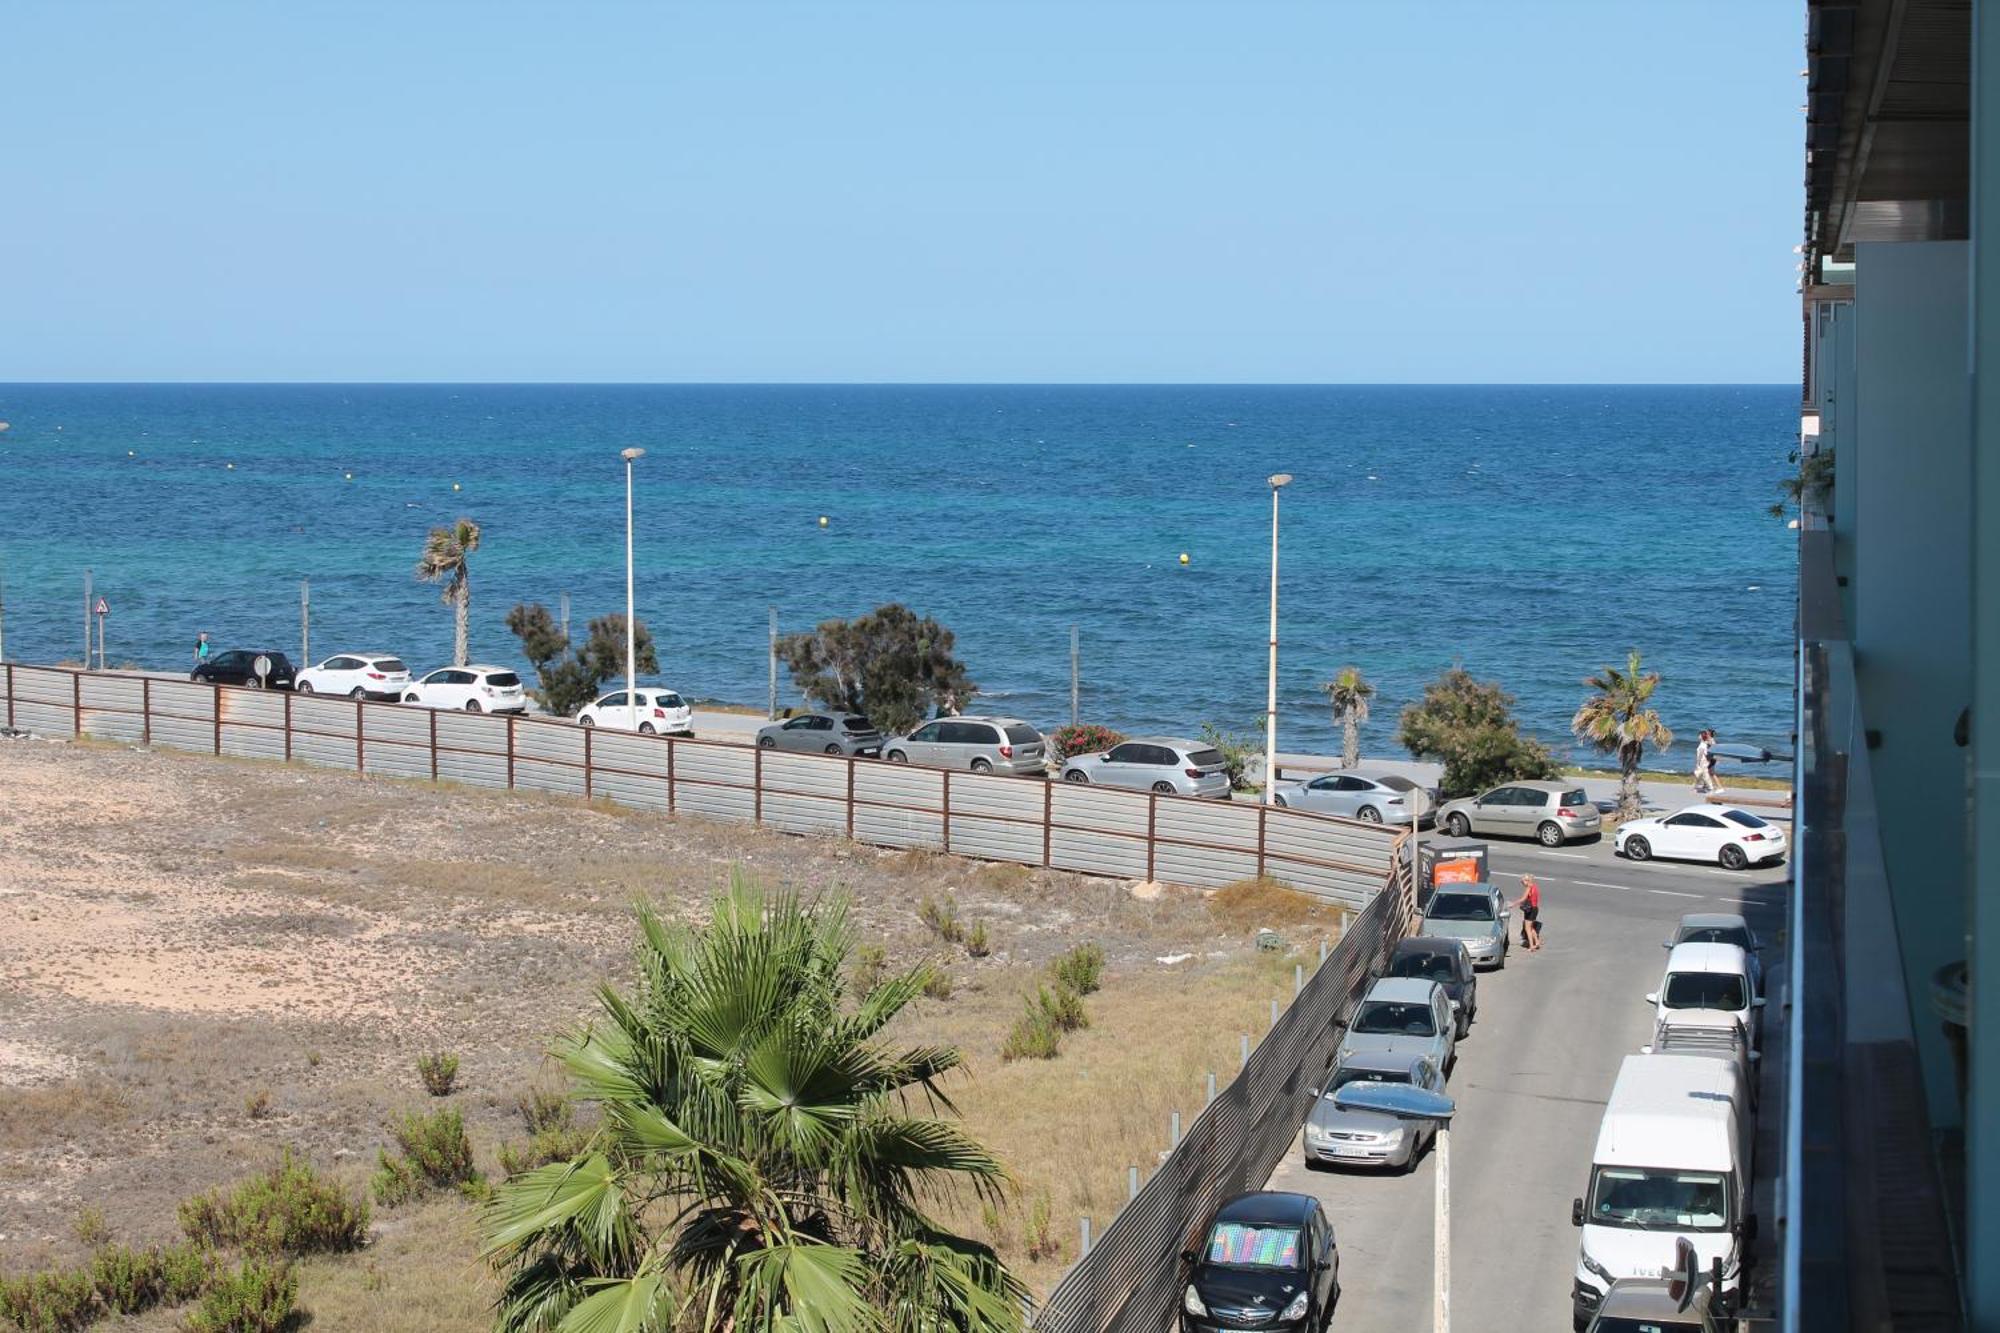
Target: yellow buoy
{"x":822,"y":520}
{"x":1184,"y":557}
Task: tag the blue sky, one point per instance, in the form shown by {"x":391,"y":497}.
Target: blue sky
{"x":1085,"y":191}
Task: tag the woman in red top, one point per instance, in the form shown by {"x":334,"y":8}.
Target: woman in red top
{"x":1530,"y":903}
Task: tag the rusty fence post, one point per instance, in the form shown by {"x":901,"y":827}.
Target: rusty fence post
{"x":217,"y":711}
{"x":434,"y":744}
{"x":947,"y":810}
{"x":589,"y":778}
{"x":360,"y":753}
{"x":288,"y":727}
{"x":76,"y":700}
{"x":757,"y":786}
{"x":512,"y":718}
{"x":851,"y":763}
{"x":1048,"y":821}
{"x":1152,"y":829}
{"x":145,"y":708}
{"x":672,"y":747}
{"x":1263,"y":818}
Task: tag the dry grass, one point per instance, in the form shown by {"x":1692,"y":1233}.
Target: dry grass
{"x":1249,"y":904}
{"x":420,"y":1275}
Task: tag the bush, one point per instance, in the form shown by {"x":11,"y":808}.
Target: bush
{"x":1468,"y":725}
{"x":1237,"y":751}
{"x":258,"y":1104}
{"x":260,"y":1297}
{"x":52,"y":1302}
{"x":871,"y":964}
{"x":90,"y":1227}
{"x":435,"y":1154}
{"x":1063,"y":1006}
{"x":977,"y":945}
{"x":937,"y":984}
{"x":290,"y":1209}
{"x":553,"y":1134}
{"x":1080,"y":970}
{"x":1033,"y":1036}
{"x":439,"y":1071}
{"x":1082,"y":738}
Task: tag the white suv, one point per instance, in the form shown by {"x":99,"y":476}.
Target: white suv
{"x":654,"y":710}
{"x":357,"y":675}
{"x":476,"y":689}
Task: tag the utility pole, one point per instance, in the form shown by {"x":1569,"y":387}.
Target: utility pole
{"x":88,"y":602}
{"x":305,"y":623}
{"x":771,"y":713}
{"x":1075,"y":653}
{"x":563,"y":604}
{"x":3,"y":610}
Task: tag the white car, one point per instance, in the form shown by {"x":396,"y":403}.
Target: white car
{"x":655,"y":710}
{"x":357,"y":675}
{"x":1708,"y":984}
{"x":476,"y":689}
{"x":1723,"y":834}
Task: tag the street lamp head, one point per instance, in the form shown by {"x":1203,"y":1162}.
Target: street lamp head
{"x":632,"y":455}
{"x":1280,"y":479}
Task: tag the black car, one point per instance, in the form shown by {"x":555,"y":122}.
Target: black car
{"x":238,"y":666}
{"x":1432,"y":958}
{"x":1267,"y":1261}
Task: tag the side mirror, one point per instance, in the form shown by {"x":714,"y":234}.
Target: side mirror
{"x":1576,"y":1212}
{"x":1653,"y":998}
{"x":1666,"y":944}
{"x":1757,"y":1003}
{"x":1312,"y":1092}
{"x":1645,"y":1050}
{"x":1187,"y":1257}
{"x":1755,"y":1056}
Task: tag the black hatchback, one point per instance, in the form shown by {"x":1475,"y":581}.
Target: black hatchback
{"x":238,"y":666}
{"x":1267,"y":1261}
{"x":1434,"y":958}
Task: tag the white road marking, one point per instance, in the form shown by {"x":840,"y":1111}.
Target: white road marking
{"x":1597,"y":884}
{"x":1568,"y":856}
{"x":1670,"y":893}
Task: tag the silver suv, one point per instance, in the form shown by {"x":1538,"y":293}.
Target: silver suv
{"x":982,"y":744}
{"x":1165,"y":764}
{"x":1552,"y":813}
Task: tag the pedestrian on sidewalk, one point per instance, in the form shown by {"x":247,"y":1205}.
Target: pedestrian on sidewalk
{"x":1530,"y":905}
{"x":201,"y":648}
{"x":1715,"y":787}
{"x":1704,"y":762}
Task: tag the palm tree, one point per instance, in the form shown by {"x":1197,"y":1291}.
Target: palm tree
{"x":757,"y":1166}
{"x":1616,"y":720}
{"x":1350,"y":695}
{"x":446,"y":556}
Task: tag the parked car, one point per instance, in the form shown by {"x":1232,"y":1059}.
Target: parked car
{"x":238,"y":666}
{"x":1370,"y":1138}
{"x":823,"y":733}
{"x":357,"y":675}
{"x":982,"y":744}
{"x":1165,"y":764}
{"x":1708,"y":977}
{"x":476,"y":689}
{"x":1721,"y":928}
{"x":1373,"y":797}
{"x":1648,"y":1305}
{"x":1447,"y":962}
{"x":1474,"y":914}
{"x":1406,"y":1017}
{"x":1266,"y":1260}
{"x":1723,"y":834}
{"x":1551,"y":812}
{"x":655,"y":710}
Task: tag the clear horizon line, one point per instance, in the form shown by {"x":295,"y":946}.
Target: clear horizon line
{"x":911,"y":384}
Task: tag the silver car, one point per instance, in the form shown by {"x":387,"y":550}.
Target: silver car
{"x":1369,"y":1138}
{"x":1373,"y":797}
{"x":1164,"y":764}
{"x":1474,"y":914}
{"x":823,"y":733}
{"x":982,"y":744}
{"x":1405,"y":1017}
{"x":1551,"y":812}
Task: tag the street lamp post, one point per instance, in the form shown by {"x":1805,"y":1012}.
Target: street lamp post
{"x":630,"y":456}
{"x":1278,"y":482}
{"x":1417,"y":1106}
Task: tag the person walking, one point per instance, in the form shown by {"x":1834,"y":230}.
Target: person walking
{"x":1715,"y":787}
{"x":1530,"y":905}
{"x":201,"y":648}
{"x":1704,"y":763}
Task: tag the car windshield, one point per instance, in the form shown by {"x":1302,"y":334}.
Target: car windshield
{"x":1343,"y":1077}
{"x":390,"y":664}
{"x":1623,"y":1324}
{"x":1425,"y":966}
{"x":1020,"y":733}
{"x":669,"y":700}
{"x":1736,"y":935}
{"x":503,"y":679}
{"x":1206,"y":758}
{"x":1401,"y":1018}
{"x":857,"y":724}
{"x":1243,"y":1246}
{"x":1396,"y":783}
{"x":1460,"y":907}
{"x":1745,"y":818}
{"x":1703,"y":990}
{"x":1578,"y":800}
{"x":1657,"y":1200}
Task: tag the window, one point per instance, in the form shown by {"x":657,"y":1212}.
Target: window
{"x":505,"y":680}
{"x":1402,"y":1018}
{"x":1736,"y":935}
{"x":1243,"y":1246}
{"x":1694,"y":821}
{"x":1659,"y":1200}
{"x":1344,"y":1076}
{"x":389,"y":666}
{"x":1395,"y":783}
{"x":1498,"y":796}
{"x":1020,"y":733}
{"x":463,"y":678}
{"x":799,"y":723}
{"x":927,"y":732}
{"x":1426,"y":966}
{"x":856,"y":722}
{"x":1324,"y":784}
{"x":1745,"y":818}
{"x":612,"y":700}
{"x":1703,"y":990}
{"x":343,"y":664}
{"x":1352,"y":784}
{"x":670,"y":700}
{"x":1207,"y":759}
{"x":819,"y":724}
{"x":1460,"y":907}
{"x":1159,"y":756}
{"x":965,"y":733}
{"x":1576,"y":800}
{"x":1127,"y":753}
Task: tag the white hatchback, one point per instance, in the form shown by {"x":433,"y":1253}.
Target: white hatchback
{"x":1722,"y":834}
{"x":653,"y":710}
{"x":357,"y":675}
{"x":476,"y":689}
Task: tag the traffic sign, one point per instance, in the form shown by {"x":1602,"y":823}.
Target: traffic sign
{"x":103,"y":607}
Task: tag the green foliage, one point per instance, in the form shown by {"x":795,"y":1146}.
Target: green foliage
{"x":1618,"y":720}
{"x":90,"y":1227}
{"x":1238,"y":752}
{"x":1082,"y":738}
{"x":1081,"y":969}
{"x":572,"y":676}
{"x":758,"y":1165}
{"x":1063,"y":1006}
{"x":1468,"y":725}
{"x":447,"y":559}
{"x":940,"y":916}
{"x":1349,"y":692}
{"x":117,"y":1280}
{"x":937,"y":984}
{"x":553,"y":1134}
{"x":1813,"y":483}
{"x":891,"y":664}
{"x":1034,"y":1035}
{"x":439,"y":1071}
{"x":51,"y":1302}
{"x":290,"y":1209}
{"x":435,"y":1154}
{"x":259,"y":1297}
{"x":871,"y":964}
{"x":1041,"y":1243}
{"x":977,"y":942}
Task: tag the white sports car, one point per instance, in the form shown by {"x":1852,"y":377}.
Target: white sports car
{"x":1730,"y":837}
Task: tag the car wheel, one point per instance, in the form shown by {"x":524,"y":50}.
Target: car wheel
{"x":586,"y":721}
{"x":1638,"y":849}
{"x":1732,"y":857}
{"x":1078,"y":776}
{"x":306,"y":687}
{"x":897,"y":757}
{"x":648,"y":729}
{"x":833,"y":749}
{"x":1368,"y":814}
{"x":472,"y":705}
{"x":1164,"y":788}
{"x":252,"y":683}
{"x":767,"y":742}
{"x":410,"y":699}
{"x":356,"y":693}
{"x":1464,"y":1029}
{"x":1456,"y":825}
{"x":1550,"y":834}
{"x":981,"y":766}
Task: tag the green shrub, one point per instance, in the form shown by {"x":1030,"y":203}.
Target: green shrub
{"x":1062,"y":1006}
{"x":260,"y":1297}
{"x":90,"y":1227}
{"x":1080,"y":970}
{"x":290,"y":1209}
{"x":395,"y":1181}
{"x":51,"y":1302}
{"x":977,"y":945}
{"x":941,"y":915}
{"x":1033,"y":1036}
{"x":544,"y":1109}
{"x":439,"y":1071}
{"x":127,"y":1281}
{"x":435,"y":1153}
{"x":937,"y":984}
{"x":185,"y":1272}
{"x":553,"y":1134}
{"x":1082,"y":738}
{"x":871,"y":964}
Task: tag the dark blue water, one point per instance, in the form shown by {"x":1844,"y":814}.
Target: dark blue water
{"x":1530,"y":533}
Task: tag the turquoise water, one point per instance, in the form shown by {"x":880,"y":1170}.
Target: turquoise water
{"x":1531,"y":533}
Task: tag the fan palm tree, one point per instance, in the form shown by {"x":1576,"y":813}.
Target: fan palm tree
{"x":446,"y":559}
{"x":1617,"y":720}
{"x":1350,"y":694}
{"x":758,"y":1165}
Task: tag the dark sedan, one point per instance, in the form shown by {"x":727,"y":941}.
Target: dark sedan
{"x":1431,"y":958}
{"x":239,"y":666}
{"x":1267,"y":1261}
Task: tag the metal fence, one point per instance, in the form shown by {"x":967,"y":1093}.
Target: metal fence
{"x":1132,"y":1278}
{"x":1132,"y":835}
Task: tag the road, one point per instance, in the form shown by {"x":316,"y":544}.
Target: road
{"x":1531,"y":1083}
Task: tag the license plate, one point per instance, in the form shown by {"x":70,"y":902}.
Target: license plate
{"x":1346,"y":1151}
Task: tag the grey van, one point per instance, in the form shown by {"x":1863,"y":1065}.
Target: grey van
{"x":982,"y":744}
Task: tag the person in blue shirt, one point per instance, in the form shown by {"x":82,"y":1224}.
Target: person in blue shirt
{"x":201,"y":649}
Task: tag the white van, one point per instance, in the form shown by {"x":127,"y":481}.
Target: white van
{"x":1708,"y":983}
{"x":1672,"y":1161}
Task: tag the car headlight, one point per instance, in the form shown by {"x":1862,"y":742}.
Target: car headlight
{"x":1590,"y":1265}
{"x":1297,"y":1309}
{"x":1191,"y":1302}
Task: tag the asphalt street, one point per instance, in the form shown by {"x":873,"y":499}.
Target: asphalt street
{"x":1531,"y":1082}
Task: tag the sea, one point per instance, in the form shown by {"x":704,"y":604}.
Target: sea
{"x":1532,"y":534}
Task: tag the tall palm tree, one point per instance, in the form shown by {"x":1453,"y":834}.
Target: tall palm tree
{"x":757,"y":1166}
{"x":447,"y":559}
{"x":1616,"y":720}
{"x":1349,"y":694}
